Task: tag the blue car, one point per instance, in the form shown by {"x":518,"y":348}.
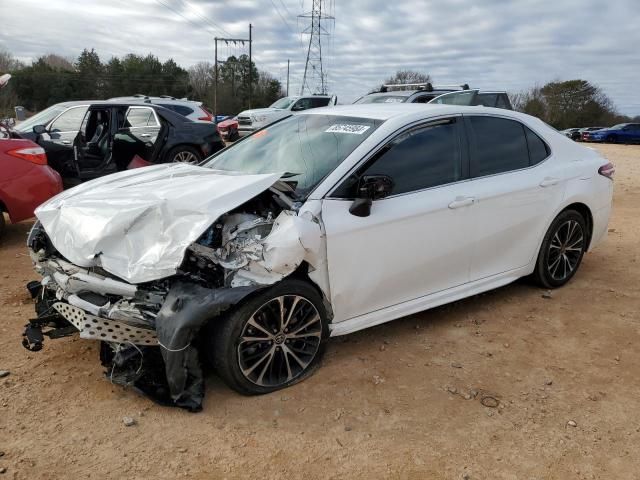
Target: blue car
{"x":621,"y":133}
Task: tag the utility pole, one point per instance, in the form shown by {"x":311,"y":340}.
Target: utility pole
{"x":215,"y":82}
{"x":287,"y":77}
{"x":250,"y":86}
{"x":215,"y":73}
{"x":314,"y":76}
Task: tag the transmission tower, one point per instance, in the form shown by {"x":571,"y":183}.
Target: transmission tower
{"x":314,"y":80}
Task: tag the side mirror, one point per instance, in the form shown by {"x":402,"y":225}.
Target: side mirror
{"x":39,"y":129}
{"x":297,"y":108}
{"x":370,"y":188}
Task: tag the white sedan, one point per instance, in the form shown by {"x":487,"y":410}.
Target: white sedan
{"x":322,"y":224}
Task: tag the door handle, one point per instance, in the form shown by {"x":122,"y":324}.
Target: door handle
{"x":460,"y":202}
{"x":145,"y":134}
{"x":66,"y":142}
{"x":549,"y":182}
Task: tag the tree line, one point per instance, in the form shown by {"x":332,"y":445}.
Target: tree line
{"x":52,"y":79}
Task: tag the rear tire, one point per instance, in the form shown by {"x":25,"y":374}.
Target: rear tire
{"x":273,"y":340}
{"x":3,"y":223}
{"x":562,"y":250}
{"x":184,"y":154}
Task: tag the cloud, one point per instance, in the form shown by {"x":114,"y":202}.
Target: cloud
{"x":489,"y":44}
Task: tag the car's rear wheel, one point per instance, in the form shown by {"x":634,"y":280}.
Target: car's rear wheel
{"x":184,"y":154}
{"x":562,"y":250}
{"x":273,"y":340}
{"x":3,"y":223}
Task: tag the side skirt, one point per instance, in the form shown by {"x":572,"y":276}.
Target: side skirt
{"x":428,"y":301}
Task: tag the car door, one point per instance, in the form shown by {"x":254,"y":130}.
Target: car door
{"x":417,"y":240}
{"x":516,"y":186}
{"x":139,"y":136}
{"x":57,"y":141}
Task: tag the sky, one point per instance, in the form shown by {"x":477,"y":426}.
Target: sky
{"x":489,"y":44}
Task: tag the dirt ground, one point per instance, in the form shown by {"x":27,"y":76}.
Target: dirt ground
{"x":395,"y":401}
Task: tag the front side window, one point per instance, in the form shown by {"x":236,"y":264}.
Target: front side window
{"x":496,"y":145}
{"x":306,"y":148}
{"x":40,"y":118}
{"x":421,"y":158}
{"x":69,"y":121}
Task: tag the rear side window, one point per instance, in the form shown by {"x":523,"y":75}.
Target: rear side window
{"x":319,"y":102}
{"x":496,"y":145}
{"x":140,"y":117}
{"x":421,"y":158}
{"x":488,"y":99}
{"x":538,"y":150}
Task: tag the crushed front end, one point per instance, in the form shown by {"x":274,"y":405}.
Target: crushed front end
{"x":153,"y":332}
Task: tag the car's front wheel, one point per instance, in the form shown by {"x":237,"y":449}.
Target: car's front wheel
{"x":562,"y":250}
{"x":273,"y":340}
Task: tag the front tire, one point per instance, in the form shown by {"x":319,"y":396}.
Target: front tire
{"x":562,"y":250}
{"x":612,"y":139}
{"x":273,"y":340}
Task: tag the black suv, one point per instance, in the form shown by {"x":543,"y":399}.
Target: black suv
{"x":87,"y":140}
{"x":444,"y":94}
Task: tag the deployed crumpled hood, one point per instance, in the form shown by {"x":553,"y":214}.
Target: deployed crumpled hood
{"x":138,"y":224}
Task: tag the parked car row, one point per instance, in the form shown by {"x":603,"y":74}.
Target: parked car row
{"x":87,"y":139}
{"x":621,"y":133}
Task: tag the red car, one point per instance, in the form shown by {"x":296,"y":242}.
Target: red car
{"x":26,"y":180}
{"x":228,"y":129}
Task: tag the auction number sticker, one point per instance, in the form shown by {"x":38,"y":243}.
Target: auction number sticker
{"x":347,"y":128}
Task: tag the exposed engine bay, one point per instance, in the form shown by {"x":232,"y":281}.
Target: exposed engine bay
{"x":151,"y":332}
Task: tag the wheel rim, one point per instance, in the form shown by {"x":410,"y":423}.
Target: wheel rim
{"x":565,"y":250}
{"x":185,"y":157}
{"x":279,"y":341}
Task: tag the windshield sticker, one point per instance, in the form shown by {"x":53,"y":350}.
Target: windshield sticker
{"x":393,"y":100}
{"x":347,"y":128}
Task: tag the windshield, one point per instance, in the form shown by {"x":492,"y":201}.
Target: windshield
{"x":305,"y":147}
{"x":40,"y":118}
{"x":283,"y":103}
{"x":382,"y":99}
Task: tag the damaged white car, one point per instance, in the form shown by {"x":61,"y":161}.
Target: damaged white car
{"x":321,"y":224}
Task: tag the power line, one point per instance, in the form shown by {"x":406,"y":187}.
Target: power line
{"x":181,"y":15}
{"x":281,"y":17}
{"x":207,"y":19}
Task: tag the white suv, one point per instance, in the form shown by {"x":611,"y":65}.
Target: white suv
{"x":251,"y":120}
{"x":191,"y":109}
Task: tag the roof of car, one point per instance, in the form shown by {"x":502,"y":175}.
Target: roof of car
{"x":385,"y":111}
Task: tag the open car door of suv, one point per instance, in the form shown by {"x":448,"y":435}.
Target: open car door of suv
{"x":140,"y":136}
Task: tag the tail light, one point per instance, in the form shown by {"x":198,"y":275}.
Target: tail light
{"x":207,"y":116}
{"x":607,"y":170}
{"x":30,"y":154}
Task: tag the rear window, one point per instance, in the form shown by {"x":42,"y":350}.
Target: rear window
{"x":181,"y":109}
